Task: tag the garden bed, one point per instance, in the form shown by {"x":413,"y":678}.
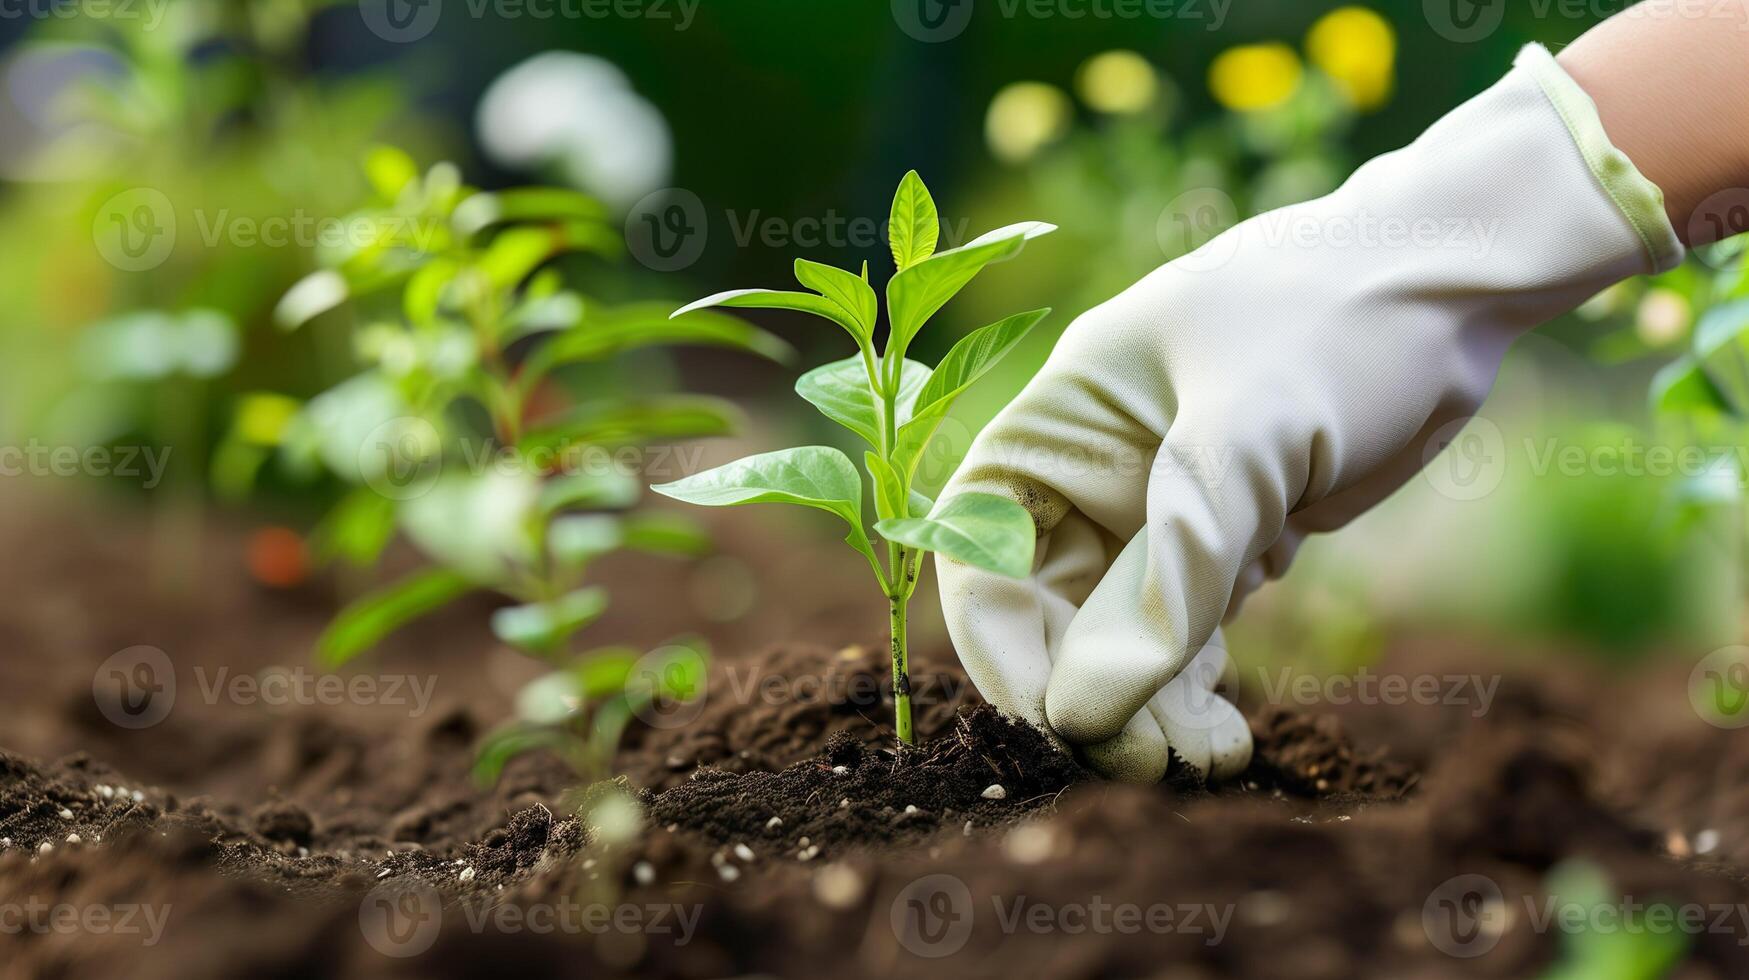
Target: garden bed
{"x":783,"y":834}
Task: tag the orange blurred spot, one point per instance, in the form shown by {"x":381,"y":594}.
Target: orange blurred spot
{"x":276,"y":557}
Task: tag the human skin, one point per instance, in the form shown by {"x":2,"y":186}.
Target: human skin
{"x":1667,"y":77}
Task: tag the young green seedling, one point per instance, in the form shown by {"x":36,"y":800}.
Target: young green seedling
{"x":894,"y":405}
{"x":468,"y":432}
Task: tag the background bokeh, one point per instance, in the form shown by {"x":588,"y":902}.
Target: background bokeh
{"x":753,"y":131}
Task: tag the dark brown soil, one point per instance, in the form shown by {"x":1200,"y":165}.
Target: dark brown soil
{"x":348,"y":839}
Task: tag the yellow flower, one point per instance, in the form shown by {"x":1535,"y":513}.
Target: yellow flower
{"x":1118,"y":82}
{"x":1023,"y":118}
{"x":1358,"y":50}
{"x":1255,"y":76}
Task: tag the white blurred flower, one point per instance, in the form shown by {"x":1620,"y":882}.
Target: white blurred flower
{"x":578,"y":115}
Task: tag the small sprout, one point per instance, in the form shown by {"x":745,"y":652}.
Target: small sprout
{"x":995,"y":791}
{"x":894,"y":405}
{"x":774,"y":823}
{"x":384,"y":873}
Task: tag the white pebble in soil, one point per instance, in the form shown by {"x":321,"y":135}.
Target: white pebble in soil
{"x":644,"y":873}
{"x":1706,"y":841}
{"x":995,"y":791}
{"x":45,"y":848}
{"x":728,"y":872}
{"x":840,"y":770}
{"x":66,"y":814}
{"x":744,"y":852}
{"x":466,"y":875}
{"x":774,"y":823}
{"x":75,"y":839}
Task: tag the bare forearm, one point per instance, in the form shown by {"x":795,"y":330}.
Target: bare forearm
{"x":1671,"y":83}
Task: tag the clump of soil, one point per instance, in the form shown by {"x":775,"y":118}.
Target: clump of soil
{"x":778,"y":708}
{"x":1310,"y":755}
{"x":987,"y":770}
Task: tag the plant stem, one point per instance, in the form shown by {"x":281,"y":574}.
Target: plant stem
{"x":901,"y":669}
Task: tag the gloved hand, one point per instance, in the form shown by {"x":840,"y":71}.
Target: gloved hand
{"x":1184,"y":437}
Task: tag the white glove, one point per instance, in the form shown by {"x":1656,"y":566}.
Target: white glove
{"x":1184,"y":437}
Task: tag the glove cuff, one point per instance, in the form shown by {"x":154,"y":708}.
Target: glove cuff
{"x":1639,"y":200}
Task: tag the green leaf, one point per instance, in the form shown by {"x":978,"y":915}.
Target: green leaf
{"x":890,"y":497}
{"x":605,"y":332}
{"x":1682,"y":388}
{"x":980,"y":529}
{"x":500,"y":746}
{"x":589,"y":490}
{"x":602,"y":673}
{"x":611,"y":423}
{"x":355,"y":530}
{"x":389,"y":170}
{"x":777,"y":299}
{"x":665,"y":534}
{"x":974,"y":355}
{"x":914,"y":227}
{"x":520,"y":204}
{"x":515,"y":253}
{"x":542,"y":627}
{"x":310,"y":297}
{"x":424,"y":291}
{"x":363,"y":623}
{"x":577,"y":539}
{"x":916,"y":293}
{"x":810,"y":476}
{"x":840,"y":390}
{"x":1721,"y":344}
{"x":481,"y":526}
{"x":851,"y":293}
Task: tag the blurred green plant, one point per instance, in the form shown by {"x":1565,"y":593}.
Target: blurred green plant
{"x":893,"y":404}
{"x":461,"y":434}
